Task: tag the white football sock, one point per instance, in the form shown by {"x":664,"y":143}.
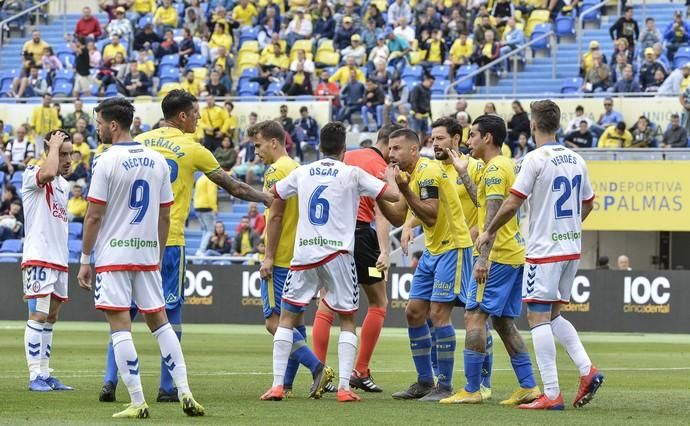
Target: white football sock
{"x":567,"y":336}
{"x":282,"y":346}
{"x":32,"y":347}
{"x":347,"y":349}
{"x":128,"y":364}
{"x":46,"y":349}
{"x":171,"y":351}
{"x":545,"y":351}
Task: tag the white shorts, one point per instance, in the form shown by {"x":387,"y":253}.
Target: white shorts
{"x":115,"y":291}
{"x":338,"y":277}
{"x":41,"y":281}
{"x":549,"y":282}
{"x":83,"y":83}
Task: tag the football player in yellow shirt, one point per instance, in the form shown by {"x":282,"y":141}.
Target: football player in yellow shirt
{"x":185,"y":157}
{"x":281,"y":227}
{"x":496,"y":288}
{"x":445,"y":266}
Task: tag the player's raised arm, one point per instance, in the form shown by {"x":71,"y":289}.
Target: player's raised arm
{"x":49,"y":170}
{"x":425,"y":207}
{"x":239,"y":189}
{"x":460,"y":164}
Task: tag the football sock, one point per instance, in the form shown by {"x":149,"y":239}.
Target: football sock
{"x":347,"y":348}
{"x":33,"y":336}
{"x":434,"y":355}
{"x":171,"y":353}
{"x":567,"y":336}
{"x":175,"y":320}
{"x":488,"y":358}
{"x":473,"y":369}
{"x":300,"y":333}
{"x":302,"y":354}
{"x":110,"y":366}
{"x":369,"y":336}
{"x":282,"y":343}
{"x":46,"y":348}
{"x":522,"y":366}
{"x":321,"y":332}
{"x":445,"y":350}
{"x":128,"y":364}
{"x":420,"y":345}
{"x":545,"y":351}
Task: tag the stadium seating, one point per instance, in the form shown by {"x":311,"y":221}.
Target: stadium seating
{"x":572,"y":85}
{"x":11,"y":246}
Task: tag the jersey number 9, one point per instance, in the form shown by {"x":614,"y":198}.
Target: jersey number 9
{"x":139,"y":200}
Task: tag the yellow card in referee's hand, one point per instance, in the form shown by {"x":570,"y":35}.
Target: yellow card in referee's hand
{"x":374,"y":273}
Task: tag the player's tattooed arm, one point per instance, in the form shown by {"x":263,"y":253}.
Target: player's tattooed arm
{"x":239,"y":189}
{"x":461,"y":164}
{"x":470,"y":186}
{"x":481,"y":266}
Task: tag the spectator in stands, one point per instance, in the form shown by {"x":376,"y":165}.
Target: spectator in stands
{"x":110,"y":6}
{"x":420,"y":106}
{"x":44,"y":118}
{"x":19,"y":151}
{"x":623,"y":263}
{"x":226,"y":154}
{"x":190,"y":85}
{"x":347,"y":9}
{"x":427,"y":149}
{"x":672,"y":84}
{"x":603,"y":262}
{"x":490,"y":108}
{"x":460,"y":53}
{"x":464,"y":121}
{"x":618,"y":68}
{"x":223,"y":63}
{"x":270,"y":11}
{"x":246,"y":239}
{"x":146,"y":39}
{"x":650,"y":34}
{"x":82,"y":76}
{"x":677,"y":34}
{"x":50,"y":63}
{"x":31,"y":86}
{"x":648,"y":68}
{"x":4,"y":136}
{"x":324,"y":29}
{"x":502,"y":11}
{"x":484,"y":27}
{"x":9,"y":195}
{"x":220,"y":243}
{"x":343,"y":35}
{"x":381,"y":75}
{"x":205,"y":208}
{"x":513,"y":37}
{"x":186,"y":47}
{"x":34,"y":48}
{"x":352,"y":95}
{"x":12,"y":224}
{"x":343,"y":74}
{"x":609,"y":117}
{"x":519,"y":123}
{"x":436,"y":50}
{"x":675,"y":136}
{"x":378,"y":53}
{"x":371,"y":33}
{"x":642,"y":134}
{"x":245,"y":13}
{"x":141,"y":8}
{"x":298,"y":82}
{"x":397,"y":99}
{"x":76,"y":205}
{"x":522,"y":147}
{"x":299,"y":28}
{"x":285,"y":120}
{"x":399,"y":49}
{"x":275,"y":60}
{"x":88,"y":132}
{"x":356,"y":50}
{"x":302,"y":60}
{"x":95,"y":57}
{"x":88,"y":25}
{"x":374,"y":13}
{"x":267,"y":34}
{"x":78,"y":145}
{"x":622,"y":47}
{"x":374,"y":98}
{"x":627,"y":84}
{"x":574,"y":124}
{"x":230,"y":127}
{"x":616,"y":137}
{"x":257,"y":221}
{"x":213,"y":118}
{"x":214,"y":87}
{"x":598,"y":79}
{"x":659,"y":78}
{"x":456,"y":26}
{"x":308,"y":125}
{"x":626,"y":27}
{"x":587,"y":58}
{"x":404,"y":31}
{"x":168,"y":46}
{"x":120,"y":26}
{"x":400,"y":9}
{"x":194,"y":21}
{"x":136,"y":129}
{"x":114,"y":48}
{"x":485,"y":53}
{"x":661,"y":58}
{"x":326,"y":87}
{"x":137,"y":83}
{"x":166,"y":17}
{"x":581,"y":138}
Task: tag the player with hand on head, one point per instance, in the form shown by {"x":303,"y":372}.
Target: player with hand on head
{"x":371,"y":261}
{"x":184,"y":157}
{"x":444,"y":270}
{"x":269,"y":141}
{"x":555,"y":182}
{"x":328,"y":194}
{"x":126,"y":224}
{"x":496,"y":284}
{"x":45,"y":192}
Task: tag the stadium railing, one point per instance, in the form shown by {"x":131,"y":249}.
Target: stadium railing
{"x":514,"y":54}
{"x":581,"y":25}
{"x":37,"y":8}
{"x":635,"y":154}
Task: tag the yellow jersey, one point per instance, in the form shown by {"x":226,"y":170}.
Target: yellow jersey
{"x":429,"y":180}
{"x":111,"y":50}
{"x":167,"y":15}
{"x":459,"y":50}
{"x":101,"y":148}
{"x":206,"y":194}
{"x":496,"y":179}
{"x":611,"y":139}
{"x":144,"y":6}
{"x":185,"y":157}
{"x":213,"y":119}
{"x":85,"y":151}
{"x":192,"y":88}
{"x":218,"y":40}
{"x":275,"y":172}
{"x":44,"y":120}
{"x":342,"y":76}
{"x":469,"y":209}
{"x":244,"y":15}
{"x":77,"y":206}
{"x":36,"y":49}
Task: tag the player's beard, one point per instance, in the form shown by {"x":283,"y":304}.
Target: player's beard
{"x":440,"y":154}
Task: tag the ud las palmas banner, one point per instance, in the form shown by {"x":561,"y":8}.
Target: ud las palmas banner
{"x":640,"y":196}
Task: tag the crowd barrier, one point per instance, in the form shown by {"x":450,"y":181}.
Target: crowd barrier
{"x":602,"y":300}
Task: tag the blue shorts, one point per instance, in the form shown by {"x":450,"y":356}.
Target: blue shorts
{"x":501,"y":294}
{"x":272,"y":291}
{"x":443,"y":278}
{"x":173,"y":273}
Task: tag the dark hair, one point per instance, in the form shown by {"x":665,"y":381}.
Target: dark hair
{"x":50,"y":134}
{"x":516,"y":102}
{"x":649,"y":19}
{"x":303,"y":109}
{"x":547,"y":115}
{"x":409,"y":135}
{"x":525,"y":134}
{"x":580,"y":108}
{"x":674,"y":115}
{"x":269,"y":129}
{"x":627,"y":9}
{"x":385,"y":132}
{"x":177,"y":101}
{"x":11,"y":189}
{"x":451,"y":124}
{"x":417,"y":254}
{"x":493,"y":125}
{"x":119,"y":110}
{"x":621,"y":125}
{"x":229,"y":102}
{"x":584,"y":121}
{"x":332,"y":138}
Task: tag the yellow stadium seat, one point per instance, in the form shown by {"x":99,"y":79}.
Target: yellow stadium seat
{"x":167,"y":88}
{"x":248,"y":57}
{"x":539,"y":16}
{"x":301,"y":44}
{"x":518,"y":15}
{"x":325,"y":45}
{"x":293,"y":55}
{"x":382,"y":5}
{"x":330,"y":59}
{"x":200,"y":74}
{"x":250,"y":46}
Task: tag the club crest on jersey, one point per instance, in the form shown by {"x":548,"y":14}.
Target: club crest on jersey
{"x":35,"y":287}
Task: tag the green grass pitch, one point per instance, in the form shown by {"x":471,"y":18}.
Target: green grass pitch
{"x":230,"y":366}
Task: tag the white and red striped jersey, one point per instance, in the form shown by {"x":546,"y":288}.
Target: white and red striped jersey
{"x":133,"y":182}
{"x":45,"y":216}
{"x":554,"y":179}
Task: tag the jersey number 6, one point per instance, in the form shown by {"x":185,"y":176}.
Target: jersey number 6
{"x":318,"y":207}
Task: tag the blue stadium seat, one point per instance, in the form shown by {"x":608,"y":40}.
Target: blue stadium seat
{"x":249,"y":89}
{"x":465,"y":70}
{"x":64,"y":74}
{"x":440,"y":71}
{"x":572,"y":85}
{"x":173,"y":60}
{"x":169,"y":74}
{"x":539,"y":31}
{"x":145,"y":127}
{"x":16,"y":179}
{"x":248,"y":33}
{"x":67,"y":59}
{"x":5,"y":85}
{"x":62,"y":88}
{"x":465,"y":86}
{"x":565,"y":26}
{"x":247,"y":75}
{"x":75,"y":230}
{"x":591,"y":16}
{"x":197,"y":60}
{"x":681,"y":57}
{"x":111,"y":90}
{"x":11,"y":246}
{"x":8,"y":128}
{"x":74,"y":246}
{"x":274,"y":89}
{"x":9,"y":259}
{"x":412,"y":71}
{"x":439,"y":87}
{"x":146,"y":19}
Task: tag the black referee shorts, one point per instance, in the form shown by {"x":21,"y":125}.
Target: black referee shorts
{"x":367,"y":252}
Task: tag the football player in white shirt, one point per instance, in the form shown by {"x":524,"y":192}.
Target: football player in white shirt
{"x":554,"y":181}
{"x":328,"y":191}
{"x":44,"y":262}
{"x":127,"y":221}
